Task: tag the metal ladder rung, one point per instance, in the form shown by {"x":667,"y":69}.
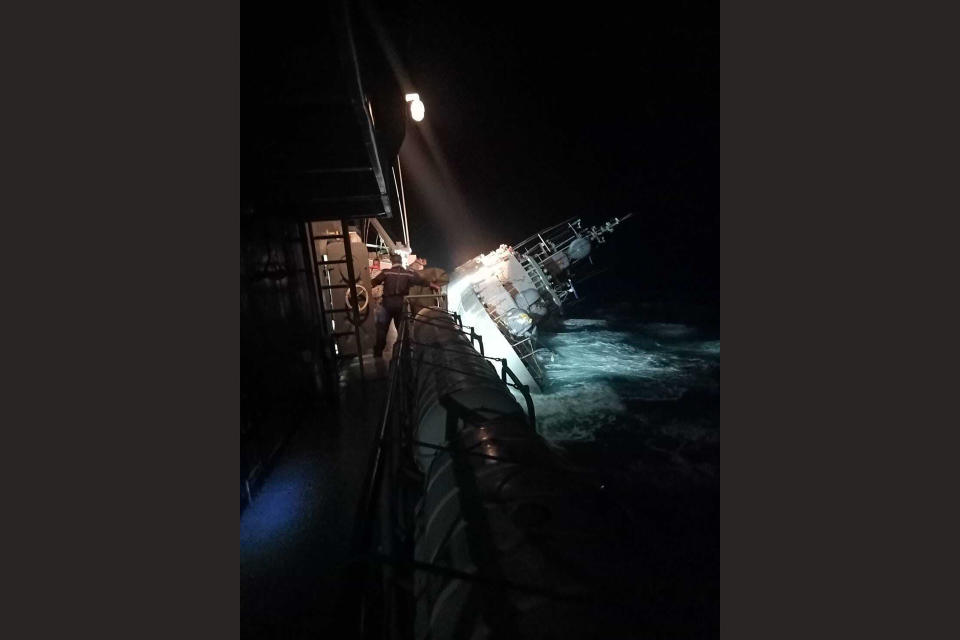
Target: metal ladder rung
{"x":318,"y":274}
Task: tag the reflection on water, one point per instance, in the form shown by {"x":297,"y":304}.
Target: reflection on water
{"x":605,"y":370}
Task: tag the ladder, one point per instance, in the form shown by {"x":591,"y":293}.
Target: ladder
{"x":323,"y":286}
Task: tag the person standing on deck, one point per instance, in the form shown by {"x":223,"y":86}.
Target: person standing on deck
{"x":396,"y":284}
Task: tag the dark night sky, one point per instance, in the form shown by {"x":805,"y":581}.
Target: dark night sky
{"x":533,"y":117}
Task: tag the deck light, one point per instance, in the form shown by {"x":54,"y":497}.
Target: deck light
{"x":416,"y":106}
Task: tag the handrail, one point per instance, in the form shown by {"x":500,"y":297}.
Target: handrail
{"x":442,"y":366}
{"x":434,"y":324}
{"x":474,"y":336}
{"x":426,"y":295}
{"x":505,"y":371}
{"x":376,"y":461}
{"x":390,"y":438}
{"x":372,"y":482}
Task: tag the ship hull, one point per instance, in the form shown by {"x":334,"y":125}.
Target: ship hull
{"x":462,"y":298}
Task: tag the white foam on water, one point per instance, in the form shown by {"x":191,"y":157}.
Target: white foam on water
{"x":582,"y":323}
{"x":576,"y":412}
{"x":605,"y":354}
{"x":597,"y":370}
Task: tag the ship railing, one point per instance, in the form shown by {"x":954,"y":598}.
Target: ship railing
{"x":540,"y":280}
{"x":476,"y":340}
{"x":507,"y":372}
{"x":572,"y":223}
{"x":525,"y":350}
{"x":379,"y":600}
{"x":439,"y":299}
{"x":370,"y":599}
{"x":547,"y":243}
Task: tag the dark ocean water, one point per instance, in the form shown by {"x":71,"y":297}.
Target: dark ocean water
{"x":625,"y":386}
{"x":633,"y":393}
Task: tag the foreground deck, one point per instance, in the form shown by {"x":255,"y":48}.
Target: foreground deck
{"x":295,"y":534}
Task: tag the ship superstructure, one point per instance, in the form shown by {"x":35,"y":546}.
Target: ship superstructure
{"x":507,"y":293}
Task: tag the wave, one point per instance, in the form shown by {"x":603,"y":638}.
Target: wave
{"x":583,"y":323}
{"x":576,"y":412}
{"x":593,"y":354}
{"x":598,"y":370}
{"x":666,"y":330}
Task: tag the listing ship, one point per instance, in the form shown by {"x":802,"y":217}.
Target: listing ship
{"x":418,"y":501}
{"x":508,"y":293}
{"x":505,"y":295}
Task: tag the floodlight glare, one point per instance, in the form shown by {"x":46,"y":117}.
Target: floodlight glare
{"x":416,"y":106}
{"x":417,"y":110}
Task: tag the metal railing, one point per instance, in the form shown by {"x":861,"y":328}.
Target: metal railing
{"x":378,"y":601}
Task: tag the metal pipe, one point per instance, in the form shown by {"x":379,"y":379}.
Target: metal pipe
{"x":403,"y":208}
{"x":387,"y":240}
